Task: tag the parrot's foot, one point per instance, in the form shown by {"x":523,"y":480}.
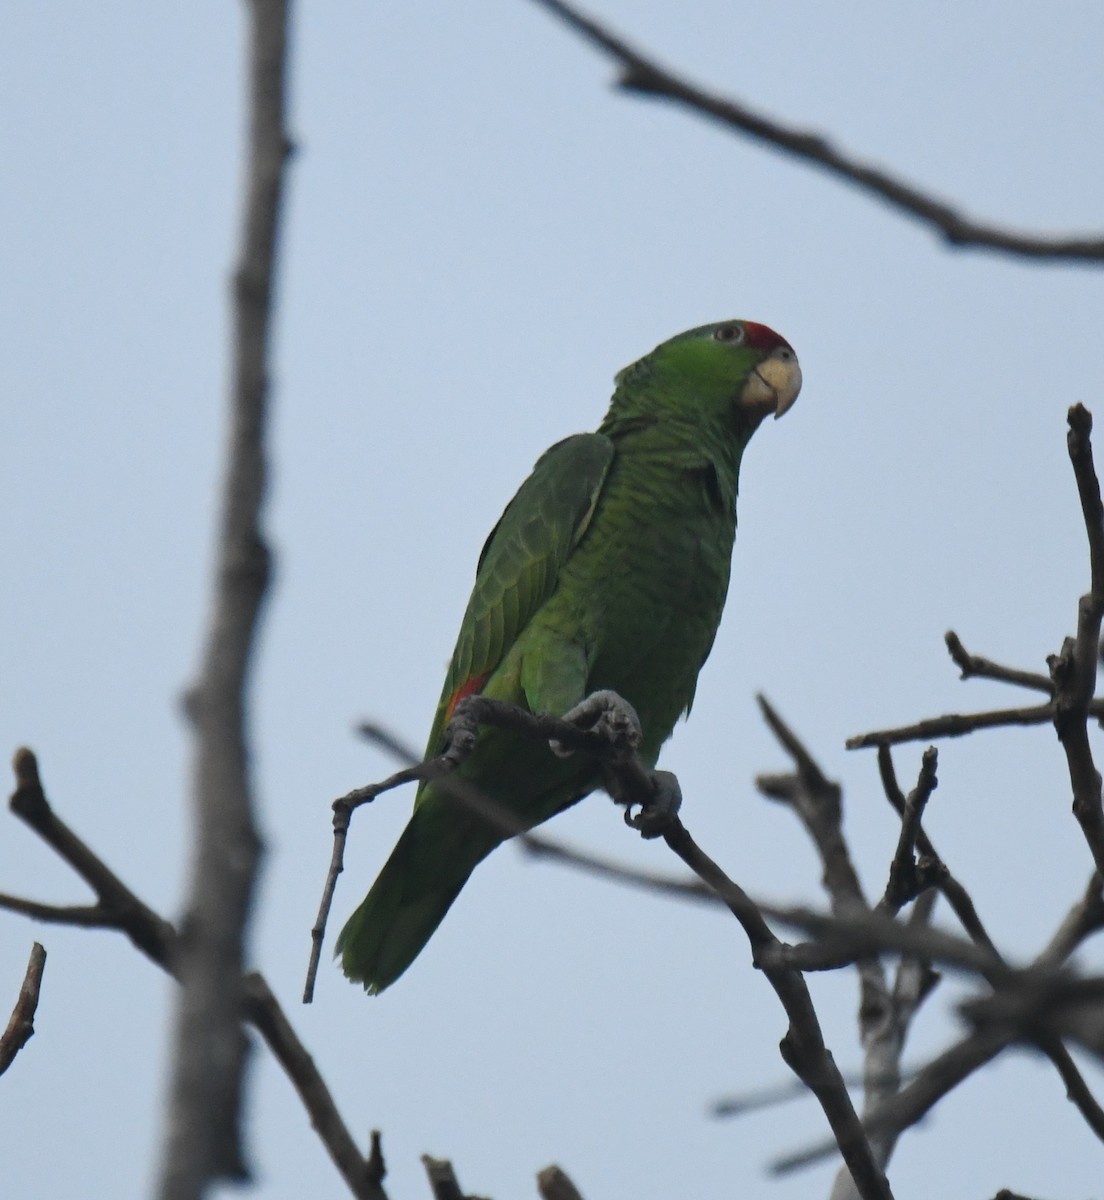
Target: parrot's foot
{"x":605,"y":713}
{"x":461,"y":732}
{"x":657,"y":813}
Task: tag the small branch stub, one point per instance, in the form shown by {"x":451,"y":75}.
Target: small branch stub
{"x":20,"y":1028}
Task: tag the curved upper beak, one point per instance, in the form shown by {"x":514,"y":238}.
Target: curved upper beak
{"x":774,"y":384}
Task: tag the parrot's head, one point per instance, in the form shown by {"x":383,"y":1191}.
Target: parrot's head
{"x":735,"y":371}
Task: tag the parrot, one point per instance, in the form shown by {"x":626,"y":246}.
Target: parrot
{"x":607,"y":571}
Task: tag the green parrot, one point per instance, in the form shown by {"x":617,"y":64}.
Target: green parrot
{"x":608,"y":570}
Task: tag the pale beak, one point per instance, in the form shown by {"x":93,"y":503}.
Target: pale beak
{"x":774,"y":383}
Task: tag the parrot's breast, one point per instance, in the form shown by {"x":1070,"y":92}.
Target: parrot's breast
{"x":645,"y":589}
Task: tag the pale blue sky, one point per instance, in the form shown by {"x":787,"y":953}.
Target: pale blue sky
{"x":479,"y":234}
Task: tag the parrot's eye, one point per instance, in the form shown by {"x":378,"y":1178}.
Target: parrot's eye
{"x":729,"y":333}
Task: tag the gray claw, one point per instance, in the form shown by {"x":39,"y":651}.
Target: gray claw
{"x":654,"y":817}
{"x":606,"y":713}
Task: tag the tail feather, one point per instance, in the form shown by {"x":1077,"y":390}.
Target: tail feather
{"x":409,"y":899}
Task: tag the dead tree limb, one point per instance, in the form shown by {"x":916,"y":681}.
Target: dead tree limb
{"x":644,"y":76}
{"x":202,"y":1137}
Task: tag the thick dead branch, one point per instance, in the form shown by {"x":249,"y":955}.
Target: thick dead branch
{"x":202,"y":1138}
{"x":644,"y":76}
{"x":20,"y":1027}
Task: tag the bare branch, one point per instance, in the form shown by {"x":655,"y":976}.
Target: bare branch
{"x":803,"y":1047}
{"x":945,"y":1072}
{"x":553,"y":1184}
{"x":120,"y":909}
{"x":973,"y":666}
{"x":928,"y":1086}
{"x":1086,"y":917}
{"x":363,"y":1176}
{"x":957,"y":896}
{"x":442,"y":1179}
{"x":906,"y":879}
{"x":202,"y":1138}
{"x":117,"y":906}
{"x":1074,"y":669}
{"x":644,"y":76}
{"x":817,"y":802}
{"x":956,"y":725}
{"x":20,"y":1027}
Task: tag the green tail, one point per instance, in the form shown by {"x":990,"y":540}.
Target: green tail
{"x":427,"y":869}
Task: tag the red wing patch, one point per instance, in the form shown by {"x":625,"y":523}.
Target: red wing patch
{"x":468,"y":688}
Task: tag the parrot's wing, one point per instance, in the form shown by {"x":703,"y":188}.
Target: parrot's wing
{"x":521,"y":562}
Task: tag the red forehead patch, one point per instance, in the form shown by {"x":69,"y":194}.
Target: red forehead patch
{"x":762,"y":337}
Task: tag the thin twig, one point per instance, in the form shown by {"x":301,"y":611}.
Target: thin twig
{"x":1074,"y":669}
{"x":956,"y":895}
{"x":20,"y":1027}
{"x":956,"y":725}
{"x":644,"y":76}
{"x":1085,"y":918}
{"x":754,"y":1100}
{"x":118,"y":907}
{"x":364,"y":1176}
{"x":973,"y":666}
{"x":817,"y":802}
{"x":907,"y":879}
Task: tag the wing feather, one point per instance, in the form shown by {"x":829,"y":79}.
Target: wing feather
{"x":520,"y":563}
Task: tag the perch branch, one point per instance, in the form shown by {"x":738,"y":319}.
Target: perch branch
{"x":803,"y":1047}
{"x":470,"y":713}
